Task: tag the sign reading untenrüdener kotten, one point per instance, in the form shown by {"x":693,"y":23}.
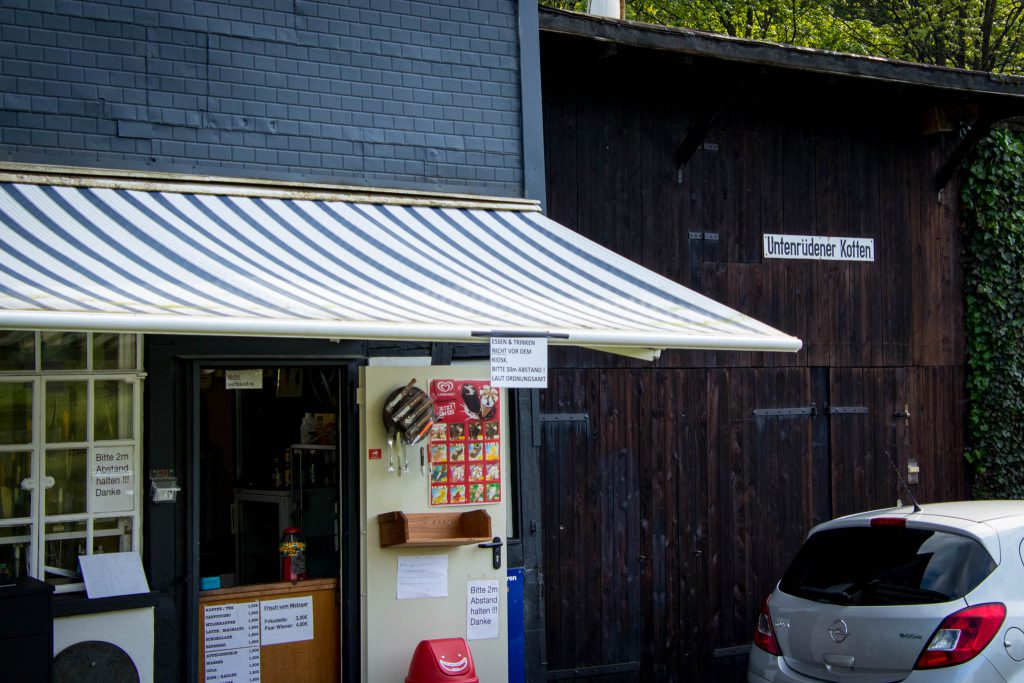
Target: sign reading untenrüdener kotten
{"x":819,"y":248}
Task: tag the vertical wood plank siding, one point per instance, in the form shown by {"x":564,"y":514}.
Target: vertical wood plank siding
{"x":673,"y":511}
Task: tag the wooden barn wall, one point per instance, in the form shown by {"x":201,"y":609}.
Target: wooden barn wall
{"x":669,"y":514}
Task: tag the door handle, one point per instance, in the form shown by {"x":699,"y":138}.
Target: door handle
{"x":831,"y":660}
{"x":495,"y":546}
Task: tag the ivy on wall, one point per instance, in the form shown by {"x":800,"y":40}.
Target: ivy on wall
{"x":993,"y":203}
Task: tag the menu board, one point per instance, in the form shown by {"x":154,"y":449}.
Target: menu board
{"x":233,"y":634}
{"x":231,"y":642}
{"x":465,"y":443}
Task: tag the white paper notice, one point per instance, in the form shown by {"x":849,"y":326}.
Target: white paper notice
{"x":243,"y":379}
{"x":110,"y":574}
{"x":519,"y":362}
{"x":482,"y":610}
{"x":231,"y":642}
{"x":113,"y":485}
{"x":422,"y":576}
{"x":286,"y":620}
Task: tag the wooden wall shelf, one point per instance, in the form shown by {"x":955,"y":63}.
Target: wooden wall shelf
{"x":427,"y":529}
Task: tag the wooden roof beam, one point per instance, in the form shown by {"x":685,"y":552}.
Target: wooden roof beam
{"x":698,"y":131}
{"x":987,"y":118}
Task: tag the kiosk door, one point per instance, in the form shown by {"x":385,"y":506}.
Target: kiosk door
{"x":426,"y":576}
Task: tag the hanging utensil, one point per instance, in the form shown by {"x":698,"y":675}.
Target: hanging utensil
{"x":408,"y":416}
{"x":409,"y":406}
{"x":391,"y":451}
{"x":416,"y":416}
{"x":397,"y":395}
{"x":423,"y":462}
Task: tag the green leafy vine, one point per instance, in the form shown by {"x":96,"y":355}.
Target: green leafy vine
{"x":993,"y":204}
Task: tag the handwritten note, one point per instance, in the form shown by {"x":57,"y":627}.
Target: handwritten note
{"x":422,"y":576}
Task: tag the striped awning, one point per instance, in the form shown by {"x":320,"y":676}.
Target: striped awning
{"x":76,"y":257}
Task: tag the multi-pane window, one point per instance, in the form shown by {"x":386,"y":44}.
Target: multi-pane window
{"x":70,"y":456}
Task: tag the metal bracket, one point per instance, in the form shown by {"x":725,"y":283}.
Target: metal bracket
{"x":564,"y":417}
{"x":847,"y":410}
{"x":786,"y":412}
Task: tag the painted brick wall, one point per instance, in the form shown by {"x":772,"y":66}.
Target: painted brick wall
{"x":397,"y":93}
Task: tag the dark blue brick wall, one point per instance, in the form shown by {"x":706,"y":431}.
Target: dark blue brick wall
{"x":401,"y":93}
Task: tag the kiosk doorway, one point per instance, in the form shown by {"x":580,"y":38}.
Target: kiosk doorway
{"x":270,"y":457}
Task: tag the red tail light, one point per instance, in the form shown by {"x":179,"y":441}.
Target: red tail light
{"x":764,"y":634}
{"x":962,"y":635}
{"x":889,"y":521}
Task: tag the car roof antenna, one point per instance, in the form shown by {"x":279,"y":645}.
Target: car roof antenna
{"x":917,"y":508}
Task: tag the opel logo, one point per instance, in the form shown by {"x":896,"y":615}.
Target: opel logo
{"x":838,"y":631}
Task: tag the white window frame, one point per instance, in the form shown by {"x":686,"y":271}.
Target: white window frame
{"x":39,"y":447}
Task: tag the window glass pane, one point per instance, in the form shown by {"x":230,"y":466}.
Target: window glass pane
{"x":15,"y":546}
{"x":15,"y":412}
{"x":112,"y":535}
{"x":17,"y":350}
{"x":112,"y":411}
{"x":63,"y":350}
{"x":113,"y":351}
{"x":886,"y":566}
{"x":67,"y":495}
{"x":63,"y":543}
{"x":15,"y":501}
{"x":65,"y":411}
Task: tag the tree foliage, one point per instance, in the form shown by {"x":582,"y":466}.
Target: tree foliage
{"x":983,"y":35}
{"x":993,"y":201}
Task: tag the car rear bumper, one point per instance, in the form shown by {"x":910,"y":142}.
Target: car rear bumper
{"x":765,"y":668}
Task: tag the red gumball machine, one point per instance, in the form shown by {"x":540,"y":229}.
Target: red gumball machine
{"x":293,"y":555}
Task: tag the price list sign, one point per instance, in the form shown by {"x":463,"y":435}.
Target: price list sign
{"x":231,"y":641}
{"x":287,"y":620}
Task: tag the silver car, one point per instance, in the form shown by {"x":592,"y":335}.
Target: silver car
{"x":924,"y":594}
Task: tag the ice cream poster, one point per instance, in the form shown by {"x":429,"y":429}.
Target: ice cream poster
{"x":465,"y":443}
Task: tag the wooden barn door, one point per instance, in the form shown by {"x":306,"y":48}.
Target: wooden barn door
{"x":868,"y":438}
{"x":621,"y":519}
{"x":886,"y":419}
{"x":673,"y":500}
{"x":764,"y":478}
{"x":588,"y":613}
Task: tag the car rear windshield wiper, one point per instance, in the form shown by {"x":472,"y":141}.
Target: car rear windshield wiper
{"x":873,"y":592}
{"x":828,"y":595}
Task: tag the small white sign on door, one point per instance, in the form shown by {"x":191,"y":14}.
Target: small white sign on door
{"x":243,"y":379}
{"x":483,"y":609}
{"x":113,"y":482}
{"x":519,"y":362}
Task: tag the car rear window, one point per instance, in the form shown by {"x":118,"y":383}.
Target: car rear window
{"x":886,"y":566}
